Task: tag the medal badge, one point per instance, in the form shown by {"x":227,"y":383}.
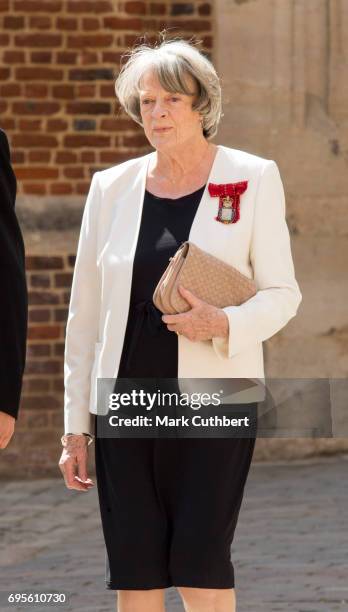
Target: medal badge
{"x":228,"y":194}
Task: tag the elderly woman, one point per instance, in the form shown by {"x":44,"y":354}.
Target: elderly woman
{"x":169,"y":506}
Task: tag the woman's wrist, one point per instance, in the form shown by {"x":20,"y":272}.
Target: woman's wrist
{"x":80,"y":439}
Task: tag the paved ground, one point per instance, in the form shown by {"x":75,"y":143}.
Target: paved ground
{"x":290,"y":550}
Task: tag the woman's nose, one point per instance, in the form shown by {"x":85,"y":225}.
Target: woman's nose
{"x":159,"y":110}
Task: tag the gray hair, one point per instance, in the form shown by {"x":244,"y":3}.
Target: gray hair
{"x":171,"y":61}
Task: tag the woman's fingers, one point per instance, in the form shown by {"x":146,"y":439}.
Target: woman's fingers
{"x":82,"y":473}
{"x":69,"y":465}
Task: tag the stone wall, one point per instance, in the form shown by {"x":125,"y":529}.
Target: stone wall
{"x":283,"y":65}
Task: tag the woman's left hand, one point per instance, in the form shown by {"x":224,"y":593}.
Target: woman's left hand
{"x":202,"y":322}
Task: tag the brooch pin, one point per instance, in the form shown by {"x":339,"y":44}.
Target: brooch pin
{"x":228,"y":194}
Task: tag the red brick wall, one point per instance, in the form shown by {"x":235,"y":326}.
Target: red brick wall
{"x":58,"y":63}
{"x":59,"y":60}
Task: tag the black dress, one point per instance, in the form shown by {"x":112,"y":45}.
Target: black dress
{"x":169,"y":506}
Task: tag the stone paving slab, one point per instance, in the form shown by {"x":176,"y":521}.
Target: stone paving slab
{"x":290,"y":550}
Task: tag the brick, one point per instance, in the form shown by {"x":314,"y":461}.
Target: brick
{"x":57,"y":418}
{"x":35,"y":108}
{"x":36,"y":173}
{"x":81,"y":125}
{"x":207,"y":42}
{"x":204,"y":9}
{"x":43,"y":332}
{"x":43,"y":367}
{"x":36,"y":384}
{"x":185,"y":8}
{"x":11,"y":90}
{"x":135,"y":8}
{"x":35,"y":90}
{"x":91,"y":74}
{"x":5,"y":73}
{"x":40,"y":262}
{"x":87,"y":6}
{"x":88,"y":57}
{"x":41,"y":57}
{"x":111,"y":157}
{"x":7,"y":123}
{"x":158,"y":8}
{"x":34,"y":140}
{"x":13,"y":23}
{"x":82,"y":188}
{"x":4,"y":40}
{"x":74,"y":172}
{"x":86,"y":140}
{"x":137,"y":140}
{"x":65,"y":157}
{"x":60,"y":315}
{"x":41,"y":22}
{"x":58,"y":347}
{"x":66,"y":57}
{"x":57,"y":125}
{"x":41,"y":155}
{"x":107,"y":91}
{"x":88,"y":108}
{"x":39,"y":73}
{"x":112,"y":57}
{"x":123,"y":23}
{"x":90,"y":24}
{"x":89,"y":40}
{"x":60,"y":189}
{"x":87,"y":156}
{"x":17,"y":156}
{"x":42,"y":6}
{"x":38,"y":40}
{"x":84,"y":90}
{"x":38,"y":350}
{"x":44,"y":402}
{"x":64,"y":92}
{"x":13,"y":57}
{"x":63,"y":279}
{"x":34,"y":188}
{"x":112,"y":124}
{"x":40,"y":280}
{"x":37,"y":315}
{"x":36,"y":419}
{"x":66,"y":23}
{"x":66,"y":295}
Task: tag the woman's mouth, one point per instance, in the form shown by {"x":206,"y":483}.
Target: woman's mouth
{"x":160,"y":130}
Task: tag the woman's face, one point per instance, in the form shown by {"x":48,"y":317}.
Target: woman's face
{"x":160,"y":108}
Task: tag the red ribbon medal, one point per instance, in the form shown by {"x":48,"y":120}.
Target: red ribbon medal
{"x":228,"y":194}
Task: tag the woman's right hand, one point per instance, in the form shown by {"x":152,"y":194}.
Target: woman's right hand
{"x":73,"y":463}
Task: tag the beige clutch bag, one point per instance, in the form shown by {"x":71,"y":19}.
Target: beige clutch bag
{"x":206,"y":276}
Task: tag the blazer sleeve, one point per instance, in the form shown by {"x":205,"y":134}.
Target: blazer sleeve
{"x":278,"y":295}
{"x":83,"y":319}
{"x":14,"y":292}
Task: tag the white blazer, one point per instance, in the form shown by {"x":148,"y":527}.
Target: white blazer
{"x":258,"y":244}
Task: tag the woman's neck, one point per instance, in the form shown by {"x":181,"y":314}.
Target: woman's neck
{"x":172,"y":167}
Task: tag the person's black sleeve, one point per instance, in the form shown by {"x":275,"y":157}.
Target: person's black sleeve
{"x":13,"y":288}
